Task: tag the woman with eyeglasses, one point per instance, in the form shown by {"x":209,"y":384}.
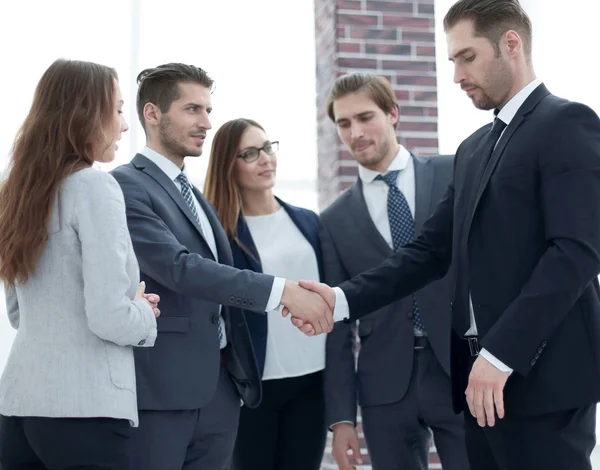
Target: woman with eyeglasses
{"x":287,"y":431}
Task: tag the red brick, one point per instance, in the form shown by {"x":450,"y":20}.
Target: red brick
{"x":387,"y":34}
{"x":397,"y":7}
{"x":415,"y":80}
{"x":425,"y":9}
{"x":349,"y":47}
{"x":412,"y":143}
{"x":356,"y":63}
{"x":349,"y":5}
{"x":358,"y":19}
{"x":388,"y":49}
{"x":412,"y":65}
{"x":406,"y":21}
{"x":432,"y":111}
{"x":417,"y":126}
{"x":425,"y":51}
{"x":429,"y":96}
{"x":402,"y":95}
{"x":412,"y":111}
{"x":418,"y":36}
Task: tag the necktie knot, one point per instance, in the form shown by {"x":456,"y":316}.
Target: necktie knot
{"x":182,"y":179}
{"x":498,"y":126}
{"x":390,"y":178}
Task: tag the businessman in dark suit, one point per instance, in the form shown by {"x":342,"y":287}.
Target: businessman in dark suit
{"x":521,"y":224}
{"x":403,"y":378}
{"x":202,"y":364}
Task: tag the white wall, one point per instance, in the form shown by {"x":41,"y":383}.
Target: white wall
{"x":565,"y":51}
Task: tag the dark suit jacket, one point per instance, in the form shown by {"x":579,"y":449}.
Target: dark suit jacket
{"x":249,"y":258}
{"x":352,"y":244}
{"x":525,"y":241}
{"x":181,"y":370}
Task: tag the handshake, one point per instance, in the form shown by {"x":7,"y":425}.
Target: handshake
{"x":311,"y":306}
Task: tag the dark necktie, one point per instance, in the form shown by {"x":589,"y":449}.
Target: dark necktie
{"x":402,"y":226}
{"x":490,"y":141}
{"x":186,"y":192}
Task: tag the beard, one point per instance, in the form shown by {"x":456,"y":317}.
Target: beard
{"x":170,"y":143}
{"x":373,"y":160}
{"x":499,"y":84}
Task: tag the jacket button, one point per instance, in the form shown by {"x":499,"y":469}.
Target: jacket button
{"x":215,"y":318}
{"x":410,"y":315}
{"x":250,"y":303}
{"x":544,"y":344}
{"x":238,"y":301}
{"x":232,"y":299}
{"x":537,"y":356}
{"x":533,"y":361}
{"x":540,"y":350}
{"x":142,"y":342}
{"x":244,"y":302}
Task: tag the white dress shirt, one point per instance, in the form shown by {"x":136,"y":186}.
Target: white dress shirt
{"x":284,"y":251}
{"x":506,"y":114}
{"x":172,"y":171}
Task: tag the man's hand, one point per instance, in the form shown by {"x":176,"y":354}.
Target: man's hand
{"x":486,"y":392}
{"x":324,"y":291}
{"x":308,"y":307}
{"x":345,"y":438}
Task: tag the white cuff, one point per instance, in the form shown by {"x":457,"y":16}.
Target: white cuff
{"x":494,"y":361}
{"x":274,"y":301}
{"x":341,"y":311}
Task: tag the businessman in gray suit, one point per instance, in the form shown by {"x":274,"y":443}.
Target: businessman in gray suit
{"x":402,"y":381}
{"x":202,"y":364}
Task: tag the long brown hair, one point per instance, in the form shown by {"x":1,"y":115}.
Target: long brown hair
{"x":72,"y":108}
{"x":220,"y":187}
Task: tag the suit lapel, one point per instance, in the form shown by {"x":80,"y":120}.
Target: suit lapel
{"x":245,"y":238}
{"x":526,"y":108}
{"x":147,"y":166}
{"x":423,"y":184}
{"x":223,"y":247}
{"x":360,"y":212}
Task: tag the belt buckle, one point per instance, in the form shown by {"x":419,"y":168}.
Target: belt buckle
{"x":473,"y":346}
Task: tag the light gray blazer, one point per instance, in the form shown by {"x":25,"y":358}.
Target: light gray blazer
{"x":75,"y":318}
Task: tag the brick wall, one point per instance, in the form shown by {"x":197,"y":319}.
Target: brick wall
{"x":395,"y":39}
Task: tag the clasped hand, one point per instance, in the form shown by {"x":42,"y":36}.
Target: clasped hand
{"x":311,"y":306}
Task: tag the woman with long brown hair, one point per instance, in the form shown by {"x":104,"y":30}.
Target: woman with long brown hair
{"x":267,"y":235}
{"x":67,"y":393}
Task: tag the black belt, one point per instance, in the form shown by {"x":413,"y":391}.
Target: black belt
{"x":421,"y":342}
{"x":473,"y":345}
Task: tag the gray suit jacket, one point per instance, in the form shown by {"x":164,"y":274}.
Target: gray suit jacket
{"x":181,"y":371}
{"x":76,"y":320}
{"x":351,"y":245}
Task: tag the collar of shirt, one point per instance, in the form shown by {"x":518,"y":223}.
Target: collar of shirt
{"x":507,"y":113}
{"x":400,"y":162}
{"x":167,"y":166}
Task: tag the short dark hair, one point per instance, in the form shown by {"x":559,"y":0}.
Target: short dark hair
{"x":160,"y":85}
{"x":378,"y":87}
{"x":491,"y":19}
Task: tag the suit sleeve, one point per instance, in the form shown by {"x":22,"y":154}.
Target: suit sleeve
{"x":418,"y":263}
{"x":99,"y":218}
{"x":569,"y":178}
{"x":12,"y":306}
{"x":163,"y":258}
{"x":340,"y":373}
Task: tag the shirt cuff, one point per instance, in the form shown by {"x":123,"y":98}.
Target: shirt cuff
{"x":341,"y":422}
{"x":494,"y":361}
{"x":341,"y":311}
{"x":274,"y":301}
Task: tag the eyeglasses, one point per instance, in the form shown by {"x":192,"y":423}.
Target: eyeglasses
{"x":252,"y":154}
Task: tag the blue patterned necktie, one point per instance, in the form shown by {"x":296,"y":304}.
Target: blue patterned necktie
{"x":186,"y":192}
{"x":402,"y":226}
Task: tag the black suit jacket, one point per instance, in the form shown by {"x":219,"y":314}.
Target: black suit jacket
{"x":352,"y":244}
{"x":182,"y":369}
{"x":525,"y":242}
{"x":249,"y":258}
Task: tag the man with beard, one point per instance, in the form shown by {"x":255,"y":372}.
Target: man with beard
{"x":519,"y":229}
{"x":202,"y":364}
{"x":403,"y":378}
